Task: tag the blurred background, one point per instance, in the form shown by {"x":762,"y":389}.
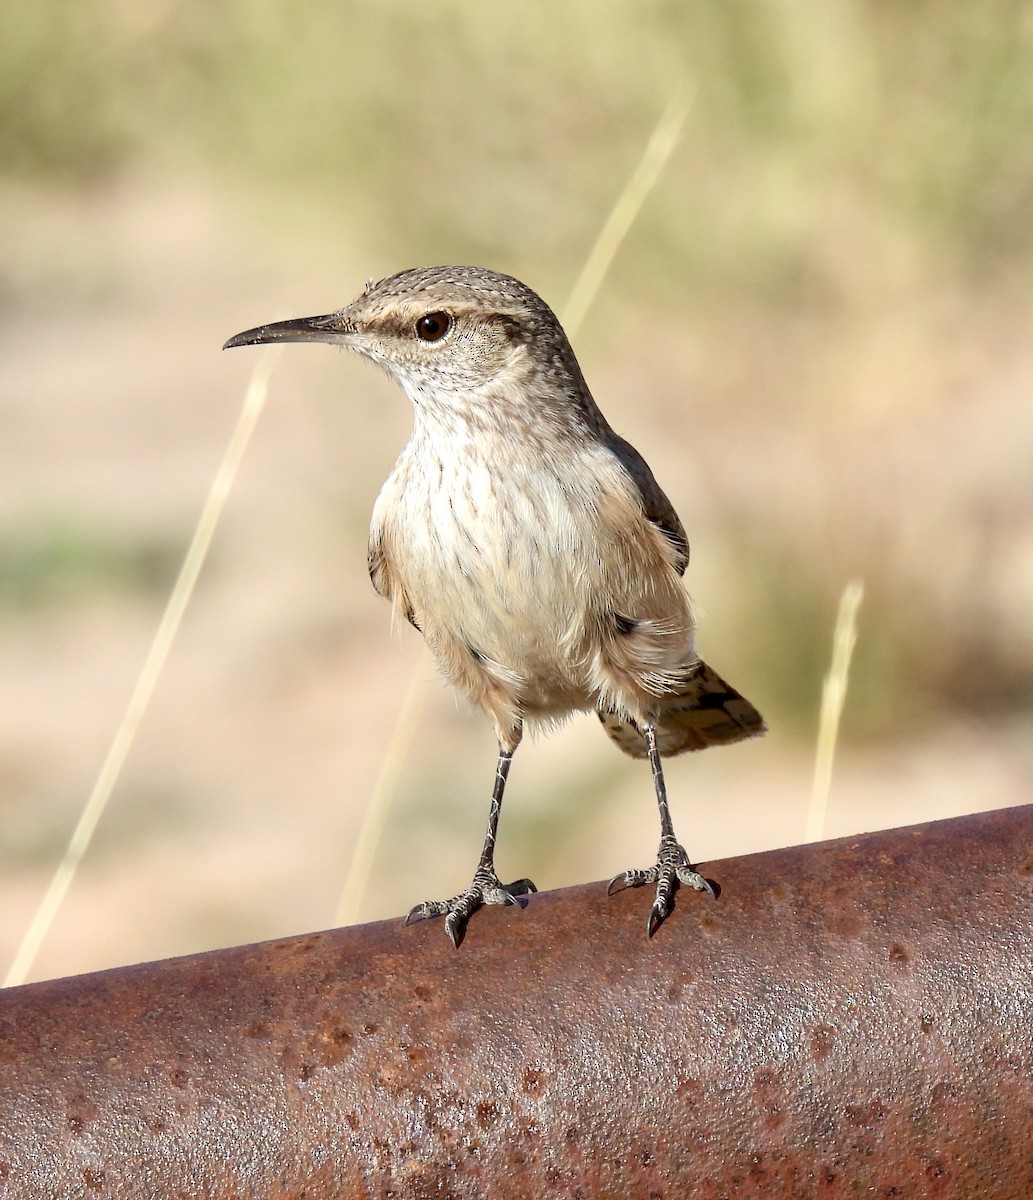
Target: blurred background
{"x":817,"y":331}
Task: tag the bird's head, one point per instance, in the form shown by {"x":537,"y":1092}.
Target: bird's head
{"x":455,"y":338}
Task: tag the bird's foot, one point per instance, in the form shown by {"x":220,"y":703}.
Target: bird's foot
{"x":672,"y":869}
{"x":485,"y":889}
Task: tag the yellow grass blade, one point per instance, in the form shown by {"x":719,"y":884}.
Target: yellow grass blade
{"x":629,"y":204}
{"x":93,"y":810}
{"x":384,"y":791}
{"x":833,"y":697}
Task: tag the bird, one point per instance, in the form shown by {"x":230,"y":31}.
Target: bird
{"x":530,"y":545}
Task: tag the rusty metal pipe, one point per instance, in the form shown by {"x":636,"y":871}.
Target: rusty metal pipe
{"x":851,"y":1018}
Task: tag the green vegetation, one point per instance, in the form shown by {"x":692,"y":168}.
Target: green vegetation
{"x":59,"y":563}
{"x":873,"y":121}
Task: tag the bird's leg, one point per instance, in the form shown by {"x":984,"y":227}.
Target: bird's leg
{"x":485,"y":888}
{"x":672,"y":863}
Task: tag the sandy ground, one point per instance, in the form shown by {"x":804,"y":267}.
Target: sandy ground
{"x":236,"y":814}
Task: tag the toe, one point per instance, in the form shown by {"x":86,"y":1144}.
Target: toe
{"x":420,"y":912}
{"x":629,"y":879}
{"x":695,"y":880}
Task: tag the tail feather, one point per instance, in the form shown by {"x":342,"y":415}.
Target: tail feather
{"x":704,"y":712}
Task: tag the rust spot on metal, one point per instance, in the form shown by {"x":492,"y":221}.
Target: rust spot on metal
{"x":533,"y":1079}
{"x":825,"y":1035}
{"x":821,"y":1041}
{"x":898,"y":956}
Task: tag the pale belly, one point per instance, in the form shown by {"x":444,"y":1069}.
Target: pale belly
{"x":519,"y":585}
{"x":513,"y":579}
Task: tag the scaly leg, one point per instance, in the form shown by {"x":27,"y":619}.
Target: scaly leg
{"x":485,"y":888}
{"x":672,"y":862}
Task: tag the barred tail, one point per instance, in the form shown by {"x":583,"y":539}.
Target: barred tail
{"x":704,"y":712}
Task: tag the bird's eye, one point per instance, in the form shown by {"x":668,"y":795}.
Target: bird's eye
{"x":433,"y":326}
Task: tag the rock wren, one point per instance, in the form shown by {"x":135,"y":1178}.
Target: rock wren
{"x":529,"y":544}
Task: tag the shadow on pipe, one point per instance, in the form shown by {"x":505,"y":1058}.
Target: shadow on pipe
{"x":849,"y":1018}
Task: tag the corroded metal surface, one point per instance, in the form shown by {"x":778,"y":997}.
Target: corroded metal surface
{"x":853,"y":1018}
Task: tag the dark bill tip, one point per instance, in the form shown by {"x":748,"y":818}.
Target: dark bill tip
{"x":330,"y":328}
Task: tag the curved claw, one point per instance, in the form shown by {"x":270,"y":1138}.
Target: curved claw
{"x":454,"y":928}
{"x":657,"y":916}
{"x":703,"y":885}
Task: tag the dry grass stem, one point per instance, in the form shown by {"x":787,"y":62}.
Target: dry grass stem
{"x":833,"y":698}
{"x":254,"y":401}
{"x":384,"y":791}
{"x":622,"y":216}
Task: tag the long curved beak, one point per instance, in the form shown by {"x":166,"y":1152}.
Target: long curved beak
{"x":334,"y":328}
